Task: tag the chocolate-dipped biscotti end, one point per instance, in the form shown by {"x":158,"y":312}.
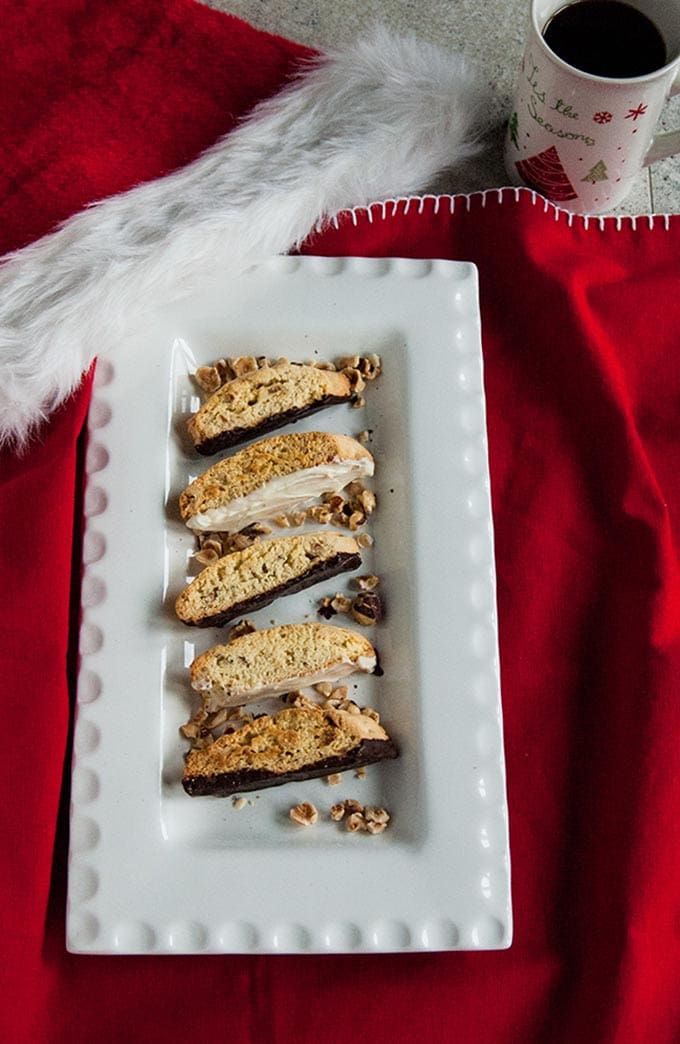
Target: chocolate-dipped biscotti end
{"x":278,"y":660}
{"x":297,"y":743}
{"x":246,"y":580}
{"x":262,"y":400}
{"x":270,"y":477}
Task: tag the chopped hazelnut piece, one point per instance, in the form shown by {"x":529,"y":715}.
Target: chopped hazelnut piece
{"x":239,"y":803}
{"x":323,"y":514}
{"x":348,"y":362}
{"x":305,"y":814}
{"x":365,"y":540}
{"x":367,"y":609}
{"x":243,"y":364}
{"x":341,"y":603}
{"x":355,"y":379}
{"x":376,"y":815}
{"x":282,"y":521}
{"x":335,"y":502}
{"x":208,"y":378}
{"x":370,"y":819}
{"x":206,"y":555}
{"x":367,"y":583}
{"x":367,"y":499}
{"x":334,"y":779}
{"x":242,"y":627}
{"x":297,"y":699}
{"x":326,"y":609}
{"x":260,"y":527}
{"x":355,"y":821}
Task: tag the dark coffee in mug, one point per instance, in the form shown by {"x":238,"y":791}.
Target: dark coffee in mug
{"x":606,"y":38}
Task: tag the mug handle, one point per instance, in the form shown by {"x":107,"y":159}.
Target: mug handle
{"x":664,"y":145}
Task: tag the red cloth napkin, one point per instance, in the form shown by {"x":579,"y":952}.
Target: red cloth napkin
{"x":581,"y":325}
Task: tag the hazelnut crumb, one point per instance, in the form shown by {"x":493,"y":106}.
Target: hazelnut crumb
{"x":377,"y":815}
{"x":242,"y":627}
{"x":367,"y":609}
{"x":367,"y":582}
{"x":361,"y":772}
{"x":355,"y":822}
{"x":365,"y":540}
{"x":359,"y":402}
{"x":208,"y":378}
{"x":243,"y":364}
{"x":368,"y":501}
{"x":334,"y":779}
{"x":323,"y":688}
{"x":341,"y":603}
{"x":261,"y":527}
{"x":297,"y":699}
{"x":341,"y":693}
{"x":281,"y":521}
{"x":348,"y":362}
{"x":319,"y":513}
{"x":239,"y":802}
{"x":305,"y":814}
{"x":206,"y":555}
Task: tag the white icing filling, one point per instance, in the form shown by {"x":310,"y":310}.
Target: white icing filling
{"x":281,"y":494}
{"x":214,"y":698}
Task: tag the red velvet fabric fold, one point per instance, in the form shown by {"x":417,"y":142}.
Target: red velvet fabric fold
{"x":581,"y":322}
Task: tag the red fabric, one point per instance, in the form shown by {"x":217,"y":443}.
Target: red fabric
{"x":580,"y":329}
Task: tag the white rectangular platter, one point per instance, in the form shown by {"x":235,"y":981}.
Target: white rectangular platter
{"x":152,"y":870}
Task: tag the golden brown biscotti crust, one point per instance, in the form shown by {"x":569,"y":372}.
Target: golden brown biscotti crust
{"x":297,"y":743}
{"x":252,"y":577}
{"x":257,"y":398}
{"x":255,"y":465}
{"x":260,"y":657}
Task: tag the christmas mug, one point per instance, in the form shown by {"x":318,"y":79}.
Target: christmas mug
{"x":594,"y":77}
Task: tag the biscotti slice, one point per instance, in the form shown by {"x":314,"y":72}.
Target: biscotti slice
{"x":263,"y":400}
{"x":277,"y":660}
{"x":270,"y":477}
{"x":297,"y":743}
{"x":246,"y":580}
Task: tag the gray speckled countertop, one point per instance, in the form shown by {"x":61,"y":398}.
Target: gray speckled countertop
{"x":490,"y":32}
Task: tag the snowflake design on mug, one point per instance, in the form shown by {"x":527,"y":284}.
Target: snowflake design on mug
{"x":633,"y":114}
{"x":603,"y":117}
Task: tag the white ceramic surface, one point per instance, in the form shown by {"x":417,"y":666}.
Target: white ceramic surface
{"x":152,"y":870}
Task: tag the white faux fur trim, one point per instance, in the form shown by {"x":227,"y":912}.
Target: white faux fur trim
{"x":380,"y":117}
